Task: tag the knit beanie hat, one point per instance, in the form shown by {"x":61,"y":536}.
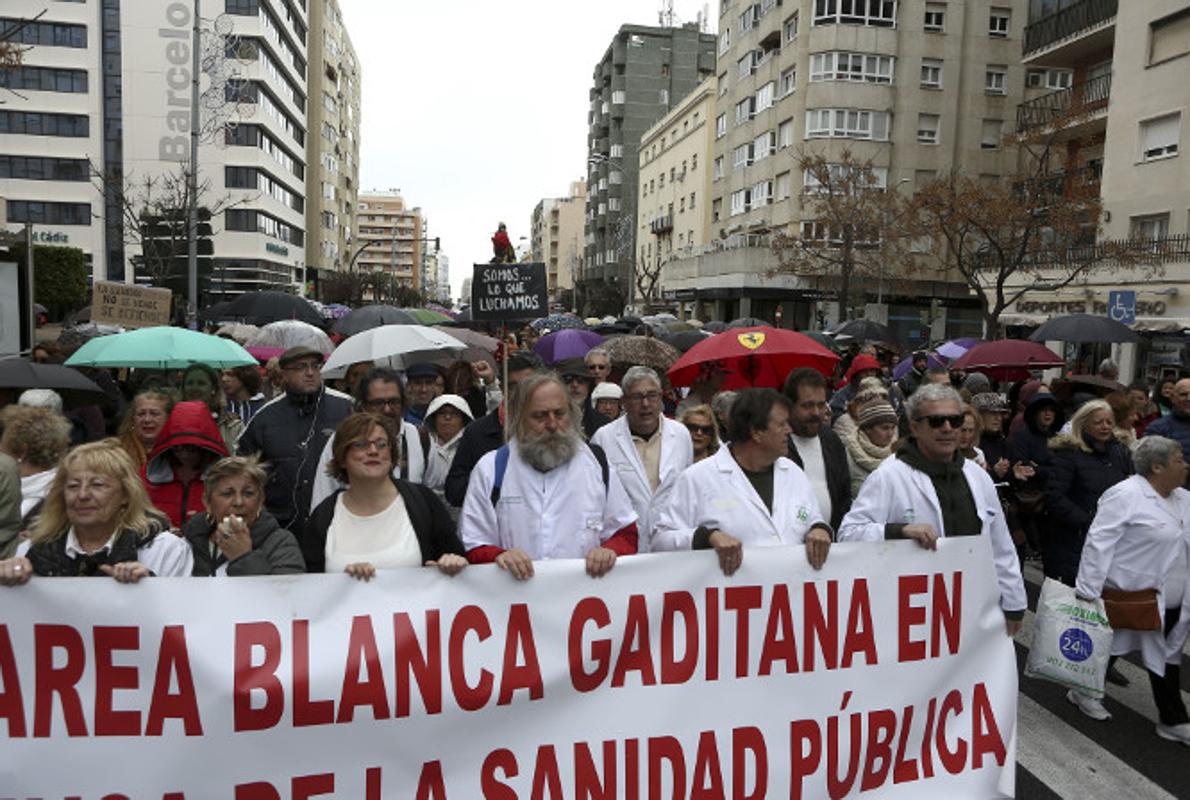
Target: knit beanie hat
{"x":977,"y":383}
{"x":876,"y":412}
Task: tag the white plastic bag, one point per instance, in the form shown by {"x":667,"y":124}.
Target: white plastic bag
{"x":1071,"y":640}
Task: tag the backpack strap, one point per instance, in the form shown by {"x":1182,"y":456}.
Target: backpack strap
{"x":424,"y":436}
{"x":501,"y":468}
{"x":601,"y":457}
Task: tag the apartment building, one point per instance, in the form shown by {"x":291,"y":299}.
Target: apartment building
{"x":642,"y":75}
{"x":1114,"y":84}
{"x":332,"y":148}
{"x":919,"y":87}
{"x":392,"y":234}
{"x":556,"y":237}
{"x":675,"y":186}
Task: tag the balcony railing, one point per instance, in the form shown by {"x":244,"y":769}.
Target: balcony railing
{"x":1078,"y":181}
{"x":1132,"y":252}
{"x":1070,"y":20}
{"x":1082,"y":98}
{"x":662,"y":225}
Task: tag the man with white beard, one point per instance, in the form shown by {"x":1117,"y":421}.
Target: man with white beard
{"x":546,"y":494}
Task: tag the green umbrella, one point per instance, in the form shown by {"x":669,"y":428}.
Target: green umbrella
{"x":160,"y":348}
{"x":425,"y":316}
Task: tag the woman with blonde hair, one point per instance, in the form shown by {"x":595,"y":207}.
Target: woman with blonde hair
{"x":143,"y":423}
{"x":97,"y":520}
{"x":704,"y":431}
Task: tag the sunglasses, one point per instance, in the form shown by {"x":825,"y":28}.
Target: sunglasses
{"x":938,"y":420}
{"x":575,"y":378}
{"x":705,"y":430}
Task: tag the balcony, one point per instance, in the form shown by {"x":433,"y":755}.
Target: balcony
{"x":1079,"y":28}
{"x":1082,"y":181}
{"x":662,"y":225}
{"x":1065,"y":107}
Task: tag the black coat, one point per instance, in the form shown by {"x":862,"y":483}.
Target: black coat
{"x":838,"y":474}
{"x":1076,"y":480}
{"x":479,"y":438}
{"x":433,"y":526}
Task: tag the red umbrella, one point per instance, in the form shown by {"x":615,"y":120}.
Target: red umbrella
{"x":757,"y":356}
{"x":1008,"y":359}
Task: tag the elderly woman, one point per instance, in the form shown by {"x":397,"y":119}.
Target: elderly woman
{"x":970,"y":434}
{"x":237,"y":535}
{"x":377,"y":522}
{"x":1139,"y":540}
{"x":37,"y":439}
{"x":446,"y":417}
{"x":200,"y":382}
{"x":143,"y":423}
{"x":608,"y":399}
{"x":97,"y":520}
{"x":1084,"y":465}
{"x":870,"y":442}
{"x":704,"y":432}
{"x":189,"y":443}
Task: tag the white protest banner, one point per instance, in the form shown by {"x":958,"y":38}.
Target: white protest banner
{"x":889,"y":673}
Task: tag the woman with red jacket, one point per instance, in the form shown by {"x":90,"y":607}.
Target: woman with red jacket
{"x":187,"y":445}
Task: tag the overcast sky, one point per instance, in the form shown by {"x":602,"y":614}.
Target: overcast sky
{"x":476,"y":110}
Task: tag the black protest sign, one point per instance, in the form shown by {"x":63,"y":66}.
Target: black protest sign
{"x":509,"y":291}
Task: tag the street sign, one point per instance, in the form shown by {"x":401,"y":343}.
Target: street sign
{"x":1121,"y":306}
{"x":509,"y":291}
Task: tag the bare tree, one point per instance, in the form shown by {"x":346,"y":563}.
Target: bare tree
{"x":856,"y":229}
{"x":12,"y":51}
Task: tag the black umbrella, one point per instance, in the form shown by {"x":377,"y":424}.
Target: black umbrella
{"x":1083,"y":328}
{"x":714,"y":326}
{"x":75,"y":387}
{"x":746,"y":322}
{"x":369,"y":317}
{"x":865,"y":330}
{"x":215,"y":313}
{"x":683,"y":340}
{"x":612,"y":330}
{"x":261,"y":308}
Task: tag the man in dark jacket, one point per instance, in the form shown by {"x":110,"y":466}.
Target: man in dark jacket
{"x":579,"y":383}
{"x":916,"y":374}
{"x":814,"y":447}
{"x":1176,"y":426}
{"x":289,"y":433}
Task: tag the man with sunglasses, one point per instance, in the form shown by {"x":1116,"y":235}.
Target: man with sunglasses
{"x":579,"y":383}
{"x":647,"y":451}
{"x":929,"y":490}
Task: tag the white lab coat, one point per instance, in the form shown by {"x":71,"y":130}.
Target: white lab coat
{"x":1133,"y":543}
{"x":896,"y":493}
{"x":715,"y":493}
{"x":677,"y":453}
{"x":563,"y":513}
{"x":325,"y":485}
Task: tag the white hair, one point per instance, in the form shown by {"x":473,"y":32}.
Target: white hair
{"x":1152,"y":451}
{"x":931,"y":393}
{"x":636,"y":375}
{"x":41,"y":398}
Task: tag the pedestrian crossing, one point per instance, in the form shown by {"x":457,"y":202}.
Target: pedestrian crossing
{"x":1063,"y":754}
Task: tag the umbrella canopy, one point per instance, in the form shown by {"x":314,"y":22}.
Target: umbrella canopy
{"x":678,"y":326}
{"x":74,"y":387}
{"x":746,"y":322}
{"x":557,"y":322}
{"x":362,"y":319}
{"x":714,"y":326}
{"x":80,"y":334}
{"x":865,"y":330}
{"x":645,"y":351}
{"x":1008,"y":359}
{"x":933,"y":361}
{"x":564,"y":344}
{"x":479,"y":346}
{"x":291,"y":333}
{"x":611,"y":329}
{"x":261,"y":308}
{"x":823,"y":339}
{"x":1102,"y":386}
{"x":426,"y":316}
{"x":956,"y":347}
{"x":240,"y":331}
{"x":396,"y":346}
{"x":684,"y":340}
{"x":1083,"y":328}
{"x":160,"y":348}
{"x":757,"y":356}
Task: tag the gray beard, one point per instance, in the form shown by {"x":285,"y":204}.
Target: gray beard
{"x":548,"y":451}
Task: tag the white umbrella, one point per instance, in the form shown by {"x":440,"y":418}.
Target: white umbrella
{"x":396,"y":346}
{"x":239,"y":331}
{"x":288,"y":333}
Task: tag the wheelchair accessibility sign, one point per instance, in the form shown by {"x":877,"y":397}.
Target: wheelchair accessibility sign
{"x":1121,"y":307}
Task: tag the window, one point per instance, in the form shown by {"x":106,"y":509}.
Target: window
{"x":613,"y":204}
{"x":663,"y":97}
{"x":747,"y":65}
{"x":999,"y":22}
{"x":724,"y":40}
{"x":1152,"y":226}
{"x":877,"y":178}
{"x":790,"y":28}
{"x":33,"y":123}
{"x":931,"y":73}
{"x":996,"y":80}
{"x":1159,"y":137}
{"x":740,"y":201}
{"x":48,"y":213}
{"x":764,"y":145}
{"x":762,"y":194}
{"x":692,"y":201}
{"x":720,"y":125}
{"x":742,"y":155}
{"x":927,"y":128}
{"x":693,"y":162}
{"x":1051,"y":78}
{"x":783,"y":186}
{"x":876,"y":13}
{"x":788,"y":81}
{"x":764,"y":97}
{"x":749,"y":17}
{"x":935,"y":19}
{"x":923,"y":177}
{"x":44,"y":168}
{"x":45,"y":34}
{"x":682,"y":204}
{"x":717,"y":168}
{"x":618,"y":97}
{"x":745,"y":109}
{"x":785,"y":134}
{"x":617,"y":151}
{"x":989,"y":137}
{"x":1169,"y":37}
{"x":847,"y":123}
{"x":44,"y":79}
{"x":722,"y":84}
{"x":845,"y":66}
{"x":716,"y":209}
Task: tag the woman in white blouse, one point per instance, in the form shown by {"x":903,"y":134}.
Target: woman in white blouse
{"x":1140,"y":539}
{"x":377,"y":522}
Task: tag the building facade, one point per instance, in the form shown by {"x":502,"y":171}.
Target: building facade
{"x":332,"y":148}
{"x":643,"y":73}
{"x":390,"y":237}
{"x":556,"y":238}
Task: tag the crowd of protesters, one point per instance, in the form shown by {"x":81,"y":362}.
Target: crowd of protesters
{"x":258,"y":472}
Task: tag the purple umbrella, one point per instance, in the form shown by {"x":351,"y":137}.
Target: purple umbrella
{"x":933,"y":361}
{"x":564,"y":344}
{"x":956,"y":347}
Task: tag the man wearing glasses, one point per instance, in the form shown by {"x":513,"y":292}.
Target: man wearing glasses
{"x":378,"y":392}
{"x":647,"y":451}
{"x":929,"y":490}
{"x":290,"y":431}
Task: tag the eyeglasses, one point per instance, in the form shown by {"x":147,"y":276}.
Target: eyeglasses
{"x":575,"y":378}
{"x":639,"y":397}
{"x":385,"y":402}
{"x":305,"y":366}
{"x":938,"y":420}
{"x":364,"y":445}
{"x":705,"y":430}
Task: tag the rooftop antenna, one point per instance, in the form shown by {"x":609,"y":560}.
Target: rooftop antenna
{"x":704,"y":19}
{"x":666,"y":17}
